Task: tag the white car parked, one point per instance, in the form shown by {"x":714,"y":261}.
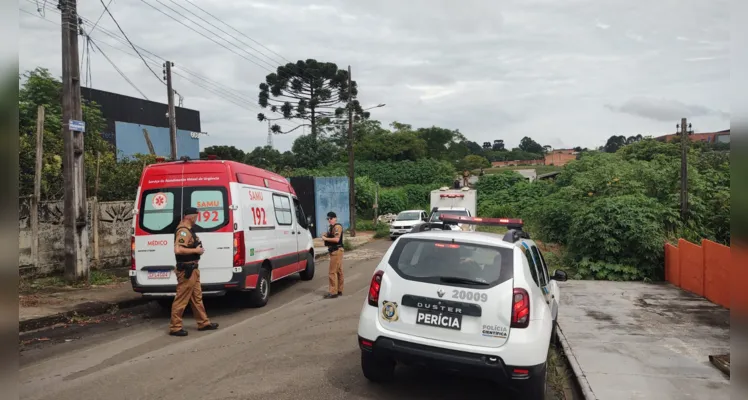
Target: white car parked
{"x":406,"y":221}
{"x":473,"y":302}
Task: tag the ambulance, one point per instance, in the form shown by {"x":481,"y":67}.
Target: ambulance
{"x":250,"y":223}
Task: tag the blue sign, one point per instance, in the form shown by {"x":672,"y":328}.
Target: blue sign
{"x":77,"y":126}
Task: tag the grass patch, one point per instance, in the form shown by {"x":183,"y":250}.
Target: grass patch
{"x":559,"y":377}
{"x":57,"y":283}
{"x":347,"y":246}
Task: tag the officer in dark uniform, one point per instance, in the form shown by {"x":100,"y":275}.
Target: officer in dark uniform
{"x":188,"y":249}
{"x":334,"y":241}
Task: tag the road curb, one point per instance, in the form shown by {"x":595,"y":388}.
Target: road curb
{"x":90,"y":309}
{"x":584,"y":385}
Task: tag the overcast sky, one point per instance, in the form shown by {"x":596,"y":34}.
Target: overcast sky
{"x":564,"y":72}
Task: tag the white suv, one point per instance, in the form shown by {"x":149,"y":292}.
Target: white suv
{"x":473,"y":302}
{"x":406,"y":221}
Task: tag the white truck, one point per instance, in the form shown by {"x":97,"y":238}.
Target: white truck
{"x":460,"y":202}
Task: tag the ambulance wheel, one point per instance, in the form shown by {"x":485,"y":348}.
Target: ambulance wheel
{"x":308,"y":273}
{"x":165,"y":303}
{"x":377,"y":369}
{"x":259,"y":296}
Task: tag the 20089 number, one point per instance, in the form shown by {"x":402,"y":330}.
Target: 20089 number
{"x":468,"y":295}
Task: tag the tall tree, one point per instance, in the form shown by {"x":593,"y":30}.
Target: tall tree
{"x":230,"y":153}
{"x":614,"y":143}
{"x":313,"y":152}
{"x":498,"y":145}
{"x":438,"y":140}
{"x":310,"y":91}
{"x":487,"y":145}
{"x":530,"y":146}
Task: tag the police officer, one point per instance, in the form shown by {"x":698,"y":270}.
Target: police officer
{"x":334,"y":242}
{"x":188,"y":249}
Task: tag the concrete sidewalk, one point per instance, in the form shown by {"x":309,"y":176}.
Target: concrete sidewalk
{"x":43,"y":309}
{"x":632,"y":340}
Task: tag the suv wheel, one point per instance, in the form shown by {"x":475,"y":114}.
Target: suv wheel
{"x":377,"y":369}
{"x":535,"y":387}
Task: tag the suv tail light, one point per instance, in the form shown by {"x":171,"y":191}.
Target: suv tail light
{"x":376,"y":285}
{"x":520,"y":309}
{"x":132,"y":253}
{"x":239,"y":253}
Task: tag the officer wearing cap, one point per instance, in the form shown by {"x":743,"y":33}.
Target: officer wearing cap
{"x":334,"y":242}
{"x":188,"y":249}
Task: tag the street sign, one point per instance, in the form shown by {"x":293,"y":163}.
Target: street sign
{"x":77,"y":126}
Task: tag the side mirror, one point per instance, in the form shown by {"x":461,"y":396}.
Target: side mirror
{"x":559,"y":276}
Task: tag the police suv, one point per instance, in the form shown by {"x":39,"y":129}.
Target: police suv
{"x":472,"y":302}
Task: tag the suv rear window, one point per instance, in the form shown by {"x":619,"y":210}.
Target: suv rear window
{"x":160,"y":210}
{"x":431,"y":261}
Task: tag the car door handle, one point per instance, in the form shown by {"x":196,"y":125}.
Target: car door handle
{"x":293,"y":233}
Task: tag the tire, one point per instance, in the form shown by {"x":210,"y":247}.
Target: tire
{"x":554,"y":333}
{"x":260,"y":295}
{"x":165,"y":303}
{"x":308,"y":273}
{"x":535,"y":388}
{"x":377,"y":369}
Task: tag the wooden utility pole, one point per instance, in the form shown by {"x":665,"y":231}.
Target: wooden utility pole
{"x":95,"y":216}
{"x":172,"y":113}
{"x":37,"y":186}
{"x":684,"y":128}
{"x":73,"y":169}
{"x":351,"y":177}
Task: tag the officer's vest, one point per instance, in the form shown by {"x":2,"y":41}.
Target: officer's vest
{"x":189,"y":258}
{"x":330,"y":233}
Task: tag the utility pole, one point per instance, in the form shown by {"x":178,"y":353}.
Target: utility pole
{"x":684,"y":131}
{"x":351,"y":177}
{"x":73,"y":169}
{"x":37,"y":186}
{"x":172,"y":113}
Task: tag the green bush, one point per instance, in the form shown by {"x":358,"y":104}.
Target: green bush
{"x":390,"y":173}
{"x":383,"y":230}
{"x":365,"y":194}
{"x":392,"y":201}
{"x":364,"y":225}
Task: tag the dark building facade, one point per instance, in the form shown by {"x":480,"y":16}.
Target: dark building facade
{"x":130,"y":120}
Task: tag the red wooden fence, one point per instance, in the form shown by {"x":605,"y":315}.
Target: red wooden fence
{"x":704,"y":270}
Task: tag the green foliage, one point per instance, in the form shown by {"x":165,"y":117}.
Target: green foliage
{"x":311,"y":152}
{"x":392,"y":200}
{"x":364,"y":225}
{"x":389,"y":174}
{"x":230,"y":153}
{"x":365,"y":189}
{"x":530,"y":146}
{"x":382,"y":230}
{"x":391,"y":146}
{"x":474,"y":161}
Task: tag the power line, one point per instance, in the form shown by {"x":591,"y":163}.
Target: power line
{"x":100,"y":15}
{"x":207,"y":84}
{"x":199,"y":33}
{"x":229,"y":34}
{"x":236,"y":30}
{"x":122,"y":74}
{"x":128,"y":40}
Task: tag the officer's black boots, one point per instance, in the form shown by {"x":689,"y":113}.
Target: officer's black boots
{"x":213,"y":326}
{"x":330,"y":296}
{"x":180,"y":333}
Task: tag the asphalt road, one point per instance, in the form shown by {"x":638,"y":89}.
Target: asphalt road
{"x":299,"y":346}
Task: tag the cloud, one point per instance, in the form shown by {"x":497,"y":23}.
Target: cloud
{"x":665,"y":109}
{"x":492,"y":70}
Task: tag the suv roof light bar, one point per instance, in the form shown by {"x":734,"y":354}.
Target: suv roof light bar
{"x":515,"y":225}
{"x":511,"y":223}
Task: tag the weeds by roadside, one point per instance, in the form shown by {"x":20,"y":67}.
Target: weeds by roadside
{"x":30,"y":286}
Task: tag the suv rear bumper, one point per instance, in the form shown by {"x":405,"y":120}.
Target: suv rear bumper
{"x":483,"y":366}
{"x":240,"y":281}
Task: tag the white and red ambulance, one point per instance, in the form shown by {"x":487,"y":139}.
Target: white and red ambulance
{"x":250,"y":222}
